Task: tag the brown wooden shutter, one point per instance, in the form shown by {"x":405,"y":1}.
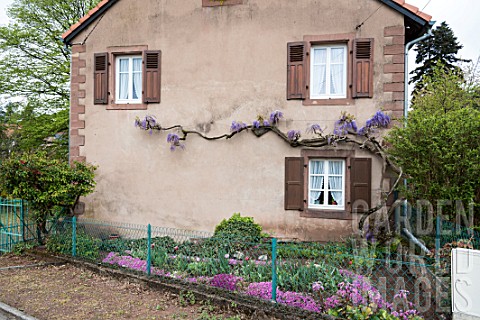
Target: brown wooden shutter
{"x":296,"y":70}
{"x":361,"y":183}
{"x":362,"y":68}
{"x":294,"y":183}
{"x":100,"y":81}
{"x":151,"y":76}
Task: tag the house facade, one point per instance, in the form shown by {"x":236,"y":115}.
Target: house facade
{"x":203,"y":64}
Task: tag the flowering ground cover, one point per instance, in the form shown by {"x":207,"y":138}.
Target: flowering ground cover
{"x":336,"y":279}
{"x":353,"y":297}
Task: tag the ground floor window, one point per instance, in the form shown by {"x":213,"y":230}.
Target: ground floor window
{"x":326,"y":187}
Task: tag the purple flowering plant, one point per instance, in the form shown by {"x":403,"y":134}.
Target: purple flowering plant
{"x":315,"y":129}
{"x":174,"y":141}
{"x":379,"y":120}
{"x":148,"y":123}
{"x":357,"y":296}
{"x":237,"y":126}
{"x":345,"y":125}
{"x":225,"y":281}
{"x":275,"y":117}
{"x":294,"y":135}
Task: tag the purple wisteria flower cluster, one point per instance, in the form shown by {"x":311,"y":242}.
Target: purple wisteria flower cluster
{"x":294,"y":135}
{"x":260,"y":122}
{"x":315,"y":129}
{"x":237,"y":126}
{"x":174,"y":141}
{"x":345,"y":125}
{"x":147,"y":123}
{"x":275,"y":117}
{"x":378,"y":120}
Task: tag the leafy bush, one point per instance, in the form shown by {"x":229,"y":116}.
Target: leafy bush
{"x":298,"y":277}
{"x":240,"y":228}
{"x":46,"y":183}
{"x":115,"y":245}
{"x":87,"y":246}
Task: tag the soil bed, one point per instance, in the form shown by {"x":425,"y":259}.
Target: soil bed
{"x":53,"y":291}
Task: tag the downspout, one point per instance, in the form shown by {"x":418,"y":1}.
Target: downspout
{"x":408,"y":46}
{"x":69,"y":101}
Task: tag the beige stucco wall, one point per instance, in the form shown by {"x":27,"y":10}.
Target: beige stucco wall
{"x":218,"y":65}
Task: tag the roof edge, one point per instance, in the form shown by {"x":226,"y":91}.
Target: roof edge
{"x":409,"y":11}
{"x":86,"y":20}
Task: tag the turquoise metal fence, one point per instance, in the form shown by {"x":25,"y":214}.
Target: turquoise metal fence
{"x":308,"y":275}
{"x":448,"y":232}
{"x":14,"y":224}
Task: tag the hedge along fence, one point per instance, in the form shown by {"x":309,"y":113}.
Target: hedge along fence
{"x":311,"y":276}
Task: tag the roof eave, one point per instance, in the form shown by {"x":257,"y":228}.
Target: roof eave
{"x":422,"y":23}
{"x":69,"y":36}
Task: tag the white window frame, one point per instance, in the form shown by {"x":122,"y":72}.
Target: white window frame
{"x":130,"y":80}
{"x":325,"y":189}
{"x":328,"y":94}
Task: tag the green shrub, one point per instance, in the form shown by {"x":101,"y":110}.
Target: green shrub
{"x":240,"y":227}
{"x":298,"y":277}
{"x":87,"y":246}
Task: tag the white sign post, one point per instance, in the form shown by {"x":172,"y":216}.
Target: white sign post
{"x":466,"y":283}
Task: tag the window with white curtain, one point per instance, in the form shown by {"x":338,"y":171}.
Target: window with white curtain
{"x":328,"y":71}
{"x":128,"y":79}
{"x":326,"y":184}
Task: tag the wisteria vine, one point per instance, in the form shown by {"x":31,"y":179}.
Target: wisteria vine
{"x":345,"y":131}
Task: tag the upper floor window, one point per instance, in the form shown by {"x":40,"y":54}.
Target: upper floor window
{"x":131,"y":81}
{"x":128,"y":79}
{"x":328,"y":71}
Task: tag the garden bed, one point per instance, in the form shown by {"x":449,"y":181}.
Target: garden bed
{"x":87,"y":291}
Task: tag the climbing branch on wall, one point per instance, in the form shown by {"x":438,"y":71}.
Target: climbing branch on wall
{"x":345,"y":132}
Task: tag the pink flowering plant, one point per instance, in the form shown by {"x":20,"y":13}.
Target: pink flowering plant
{"x":356,"y":298}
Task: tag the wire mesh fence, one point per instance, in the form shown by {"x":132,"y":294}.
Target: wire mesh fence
{"x":308,"y":275}
{"x":14,"y":224}
{"x":450,"y":232}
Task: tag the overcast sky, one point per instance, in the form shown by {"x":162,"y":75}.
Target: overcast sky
{"x":461,"y":15}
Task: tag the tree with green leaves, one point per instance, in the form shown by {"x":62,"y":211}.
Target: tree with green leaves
{"x":35,"y":64}
{"x":48,"y":184}
{"x":26,"y":130}
{"x":442,"y":47}
{"x":438,"y":148}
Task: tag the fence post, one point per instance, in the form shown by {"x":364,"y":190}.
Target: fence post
{"x":74,"y":236}
{"x":149,"y":249}
{"x":22,"y":219}
{"x":438,"y":230}
{"x":274,"y":270}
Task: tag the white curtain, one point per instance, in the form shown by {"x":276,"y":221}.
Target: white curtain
{"x":319,"y":85}
{"x":137,"y":78}
{"x":123,"y":87}
{"x":337,"y":81}
{"x":316,"y":167}
{"x":335,"y":171}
